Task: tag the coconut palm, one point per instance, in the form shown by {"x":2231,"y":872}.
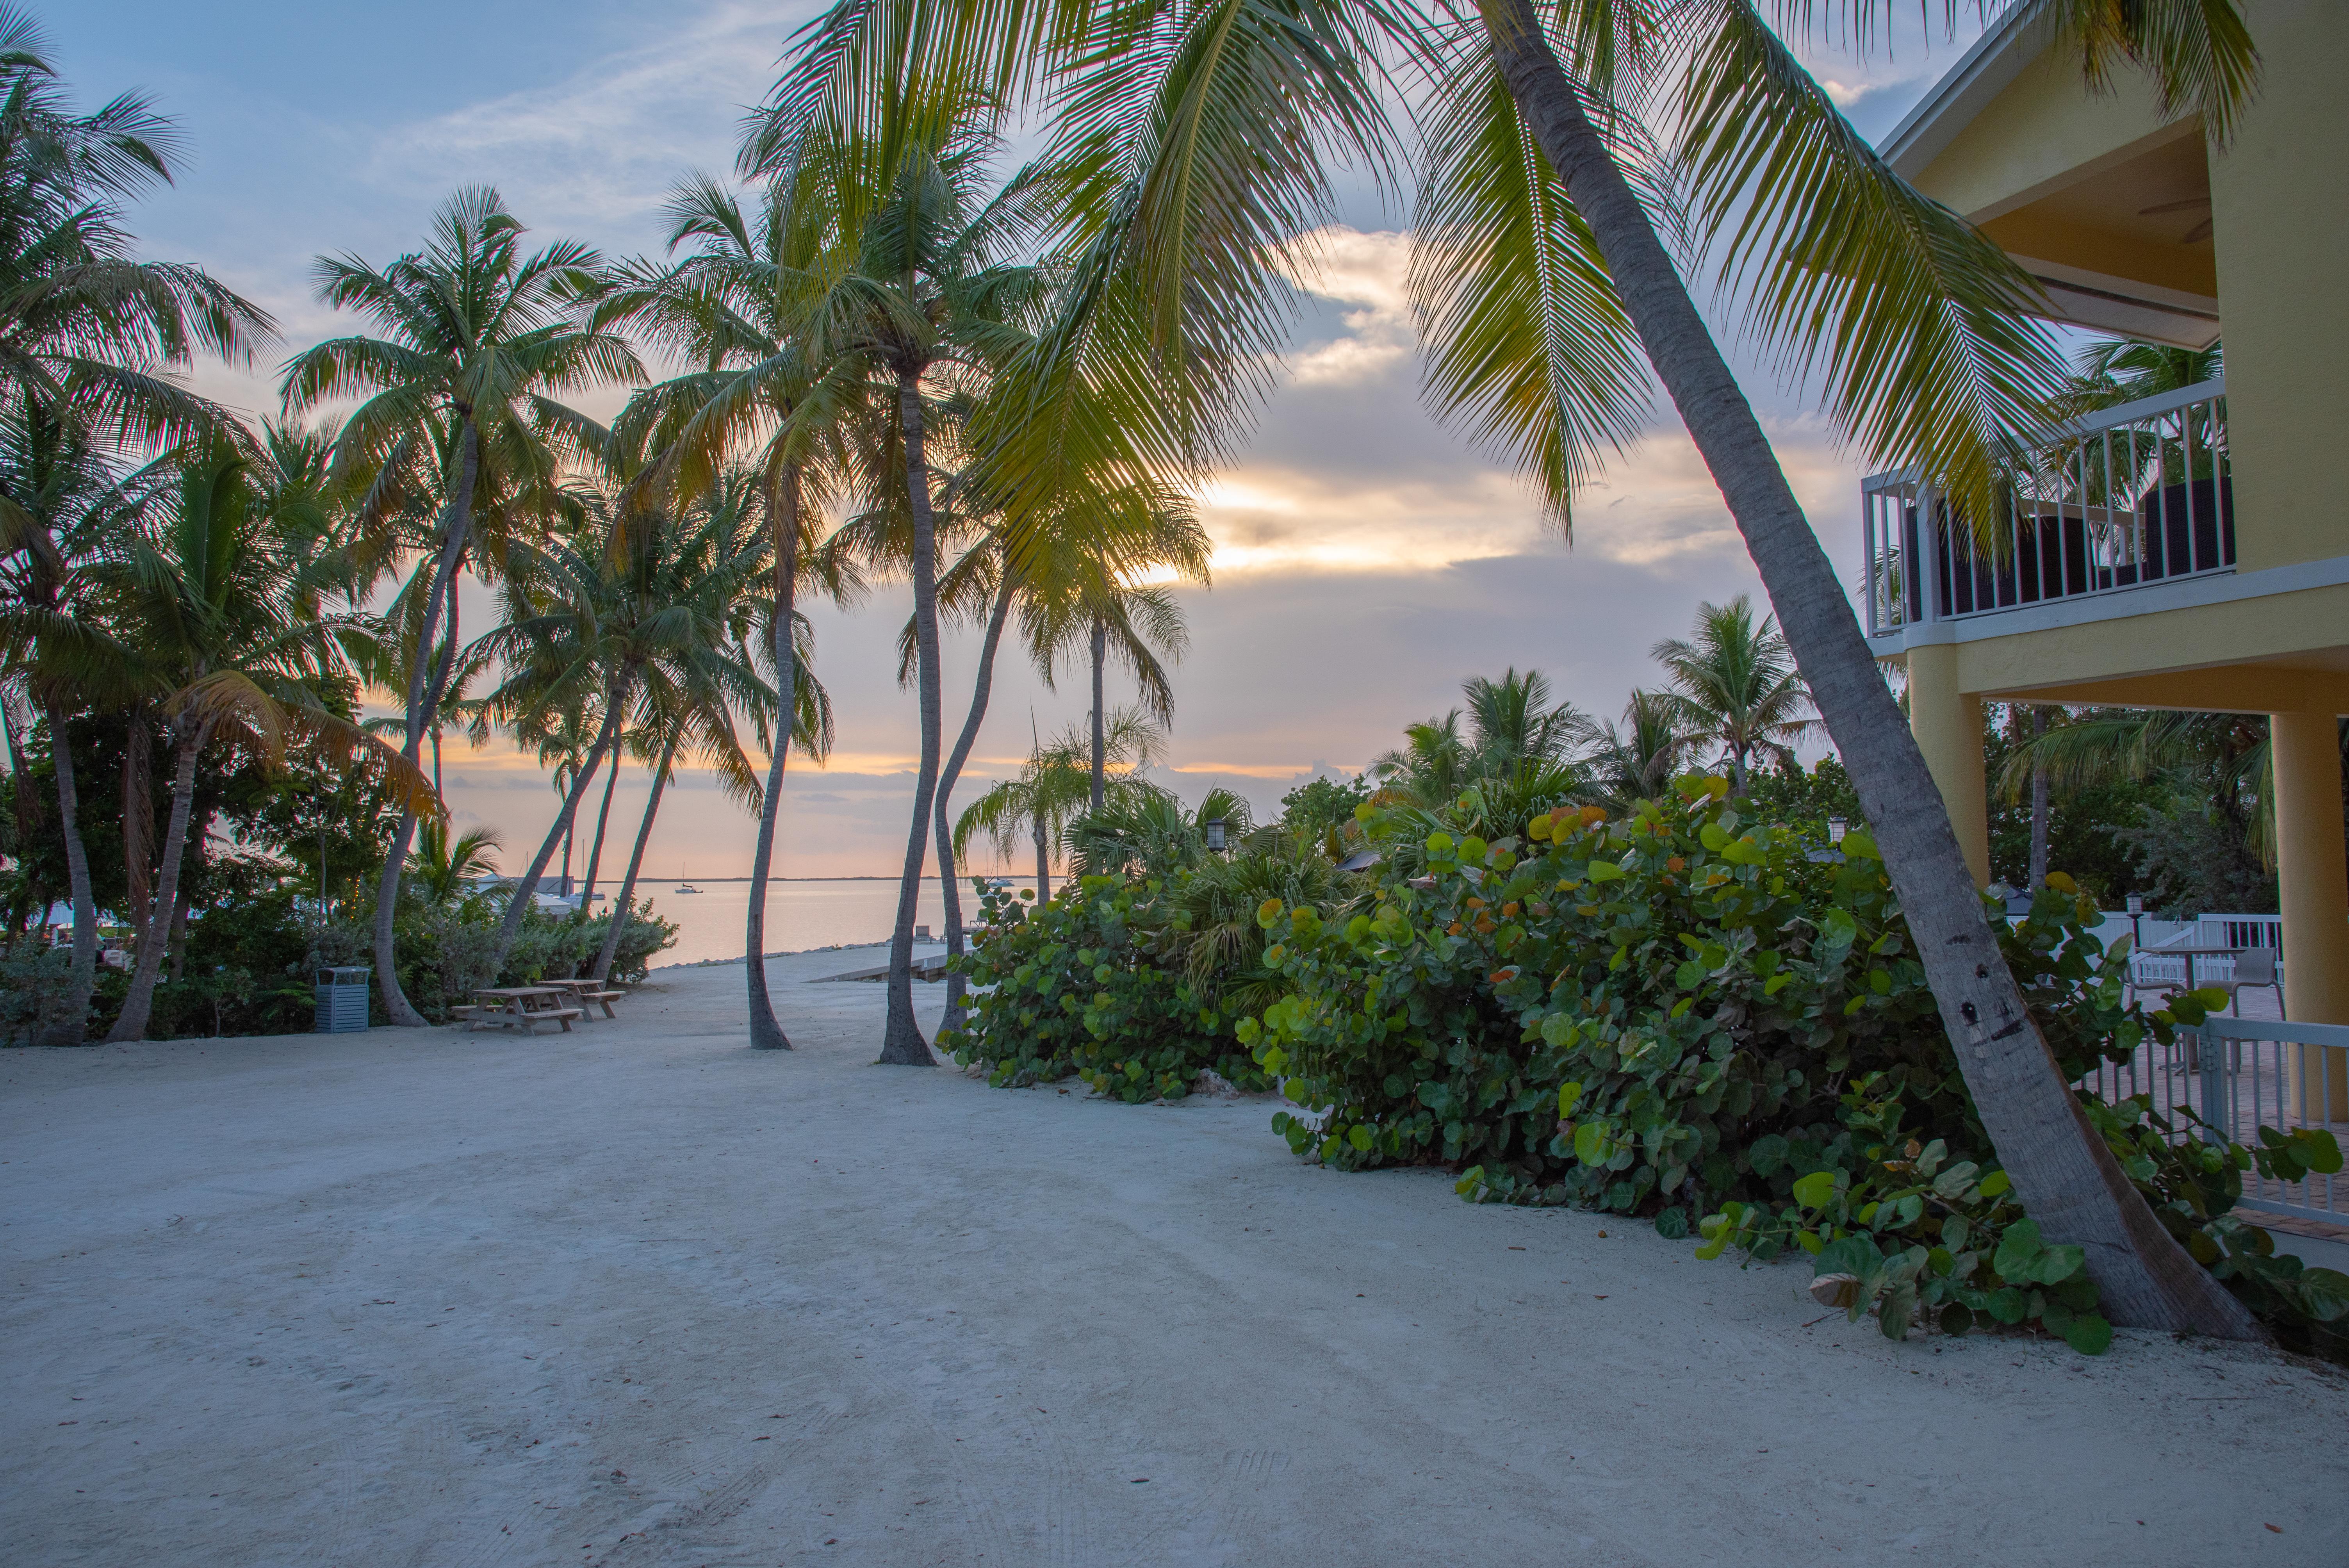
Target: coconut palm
{"x":1515,"y":736}
{"x":88,"y":332}
{"x":477,"y":340}
{"x":1562,"y":142}
{"x":738,"y":308}
{"x":214,"y":605}
{"x":1734,"y":683}
{"x":923,"y":294}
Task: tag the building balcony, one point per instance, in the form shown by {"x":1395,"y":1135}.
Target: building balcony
{"x":2103,"y":510}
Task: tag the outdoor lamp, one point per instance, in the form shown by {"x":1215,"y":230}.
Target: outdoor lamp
{"x":2136,"y":904}
{"x":1836,"y":829}
{"x":1215,"y":835}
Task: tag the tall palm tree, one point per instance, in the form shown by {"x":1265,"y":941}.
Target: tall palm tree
{"x":1556,"y":135}
{"x":1516,"y":736}
{"x":476,"y":340}
{"x":1736,"y":684}
{"x":88,"y":332}
{"x":222,"y":627}
{"x":922,"y":293}
{"x":739,"y":308}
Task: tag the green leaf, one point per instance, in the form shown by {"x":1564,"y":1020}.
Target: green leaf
{"x":1603,"y":870}
{"x":1360,"y":1137}
{"x":1672,"y":1223}
{"x":1995,"y":1184}
{"x":1814,"y":1191}
{"x":1590,"y":1142}
{"x":2088,"y":1334}
{"x":1569,"y":1095}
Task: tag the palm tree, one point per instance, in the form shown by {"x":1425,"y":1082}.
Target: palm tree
{"x":477,"y":339}
{"x":442,"y":865}
{"x":1053,"y":790}
{"x":87,"y":331}
{"x":921,"y":294}
{"x":1516,"y":737}
{"x":222,"y":624}
{"x":1205,"y":149}
{"x":641,"y":620}
{"x":1736,"y":684}
{"x":739,"y":307}
{"x":1637,"y":760}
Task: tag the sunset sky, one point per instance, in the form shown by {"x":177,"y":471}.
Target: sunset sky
{"x":1366,"y":559}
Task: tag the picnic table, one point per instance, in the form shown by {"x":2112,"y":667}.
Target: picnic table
{"x":522,"y":1008}
{"x":587,"y":988}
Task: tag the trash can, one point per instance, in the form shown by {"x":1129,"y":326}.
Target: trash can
{"x":343,"y":1000}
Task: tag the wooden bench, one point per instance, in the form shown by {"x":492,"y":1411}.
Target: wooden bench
{"x":601,"y":998}
{"x":527,"y":1022}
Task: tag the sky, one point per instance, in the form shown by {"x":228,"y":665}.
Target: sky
{"x":1367,"y":560}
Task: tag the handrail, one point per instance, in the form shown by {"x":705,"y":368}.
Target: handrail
{"x":2143,"y":408}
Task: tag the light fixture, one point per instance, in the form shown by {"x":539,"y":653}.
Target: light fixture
{"x":1836,"y":828}
{"x":2136,"y":904}
{"x":1215,"y":835}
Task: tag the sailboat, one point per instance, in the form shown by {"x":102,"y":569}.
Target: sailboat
{"x":683,"y":885}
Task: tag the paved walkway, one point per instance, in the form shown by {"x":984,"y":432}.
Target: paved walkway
{"x":636,"y":1295}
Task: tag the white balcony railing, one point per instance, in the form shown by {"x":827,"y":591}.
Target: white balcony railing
{"x":2123,"y":499}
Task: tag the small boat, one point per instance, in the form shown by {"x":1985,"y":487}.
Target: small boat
{"x":683,"y":885}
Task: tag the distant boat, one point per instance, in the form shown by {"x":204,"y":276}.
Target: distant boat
{"x":683,"y":885}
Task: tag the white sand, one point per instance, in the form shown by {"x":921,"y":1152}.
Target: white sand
{"x":637,"y":1295}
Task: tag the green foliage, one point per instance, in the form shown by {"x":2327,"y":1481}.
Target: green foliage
{"x":1086,"y":985}
{"x":1711,"y":1020}
{"x":1322,"y":805}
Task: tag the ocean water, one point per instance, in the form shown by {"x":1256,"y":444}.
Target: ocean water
{"x":800,"y":914}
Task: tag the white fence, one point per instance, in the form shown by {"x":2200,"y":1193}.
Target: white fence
{"x":2152,"y":966}
{"x":2240,"y":1075}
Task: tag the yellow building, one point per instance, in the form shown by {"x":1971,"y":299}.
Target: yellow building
{"x":2190,"y":551}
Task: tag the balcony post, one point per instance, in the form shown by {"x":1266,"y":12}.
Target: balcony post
{"x":1948,"y":725}
{"x":2313,"y":869}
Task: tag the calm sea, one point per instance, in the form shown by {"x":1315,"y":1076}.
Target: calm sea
{"x":800,"y":914}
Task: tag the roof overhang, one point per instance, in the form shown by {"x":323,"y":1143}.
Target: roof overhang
{"x":1981,"y":73}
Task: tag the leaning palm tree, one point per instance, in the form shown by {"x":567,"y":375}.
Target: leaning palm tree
{"x":477,"y":339}
{"x":1736,"y":684}
{"x":1562,"y":143}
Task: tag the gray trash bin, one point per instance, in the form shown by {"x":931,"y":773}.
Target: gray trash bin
{"x":343,"y":1000}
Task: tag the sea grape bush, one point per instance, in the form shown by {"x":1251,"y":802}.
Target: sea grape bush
{"x":1079,"y":985}
{"x":1718,"y":1023}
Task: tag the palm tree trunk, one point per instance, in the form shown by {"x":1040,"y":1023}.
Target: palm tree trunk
{"x":139,"y":1004}
{"x":635,"y":862}
{"x":74,"y":1028}
{"x":901,"y":1041}
{"x":783,"y":518}
{"x":424,"y":714}
{"x":948,"y":872}
{"x":2039,"y":806}
{"x":2063,"y":1173}
{"x":595,"y":850}
{"x":1101,"y":719}
{"x":528,"y":887}
{"x":138,"y":822}
{"x":1043,"y":867}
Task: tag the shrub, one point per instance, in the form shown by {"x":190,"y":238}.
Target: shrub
{"x":1714,"y":1022}
{"x":1083,"y":985}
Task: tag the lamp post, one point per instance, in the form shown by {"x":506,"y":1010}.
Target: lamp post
{"x":1215,"y":835}
{"x":1836,"y":828}
{"x":2136,"y":914}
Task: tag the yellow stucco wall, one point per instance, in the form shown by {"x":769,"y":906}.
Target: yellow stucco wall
{"x":2273,"y":626}
{"x":2044,"y":130}
{"x":2280,"y":202}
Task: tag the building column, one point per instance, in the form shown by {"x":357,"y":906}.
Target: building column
{"x":1948,"y":725}
{"x":2312,"y":875}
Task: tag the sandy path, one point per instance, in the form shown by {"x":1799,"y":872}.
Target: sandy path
{"x":637,"y":1295}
